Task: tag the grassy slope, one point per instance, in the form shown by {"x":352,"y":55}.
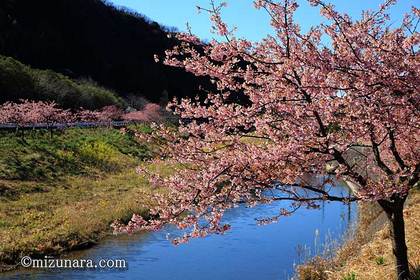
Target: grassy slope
{"x":63,"y":192}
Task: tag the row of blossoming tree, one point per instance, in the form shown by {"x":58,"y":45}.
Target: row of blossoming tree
{"x":27,"y":113}
{"x":311,"y":106}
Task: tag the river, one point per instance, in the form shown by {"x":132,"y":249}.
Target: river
{"x":247,"y":251}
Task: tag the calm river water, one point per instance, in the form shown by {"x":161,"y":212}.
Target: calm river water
{"x":247,"y":251}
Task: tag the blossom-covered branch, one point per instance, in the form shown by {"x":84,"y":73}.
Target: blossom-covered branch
{"x":349,"y":110}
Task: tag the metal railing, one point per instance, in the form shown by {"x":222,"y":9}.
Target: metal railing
{"x":11,"y":126}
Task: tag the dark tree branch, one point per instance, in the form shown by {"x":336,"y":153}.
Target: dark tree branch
{"x":393,"y":148}
{"x":338,"y":156}
{"x":377,"y":154}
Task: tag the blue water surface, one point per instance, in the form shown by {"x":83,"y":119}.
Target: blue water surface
{"x":247,"y":251}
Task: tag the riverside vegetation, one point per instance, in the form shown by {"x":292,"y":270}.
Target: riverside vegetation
{"x":367,"y":250}
{"x":58,"y":194}
{"x":62,"y":192}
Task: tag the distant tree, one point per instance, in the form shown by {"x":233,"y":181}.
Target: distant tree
{"x":83,"y":115}
{"x":21,"y":114}
{"x":311,"y":107}
{"x":109,"y":113}
{"x":150,"y":112}
{"x":28,"y":113}
{"x":51,"y":114}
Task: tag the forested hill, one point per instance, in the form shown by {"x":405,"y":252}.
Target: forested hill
{"x":91,"y":38}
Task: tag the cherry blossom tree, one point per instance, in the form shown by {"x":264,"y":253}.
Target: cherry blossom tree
{"x":51,"y":114}
{"x":27,"y":113}
{"x":109,"y":113}
{"x":104,"y":115}
{"x":150,"y":112}
{"x":24,"y":113}
{"x":346,"y":110}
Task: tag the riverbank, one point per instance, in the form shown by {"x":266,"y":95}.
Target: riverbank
{"x":61,"y":193}
{"x":367,"y":253}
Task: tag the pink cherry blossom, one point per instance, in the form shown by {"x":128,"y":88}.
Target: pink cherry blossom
{"x":349,"y":111}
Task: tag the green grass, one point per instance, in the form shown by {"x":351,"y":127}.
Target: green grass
{"x":350,"y":276}
{"x":38,"y":156}
{"x":380,"y":260}
{"x":62,"y":193}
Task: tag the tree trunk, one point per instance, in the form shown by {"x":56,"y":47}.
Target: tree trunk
{"x":394,"y":210}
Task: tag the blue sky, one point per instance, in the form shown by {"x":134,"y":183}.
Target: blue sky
{"x":251,"y":23}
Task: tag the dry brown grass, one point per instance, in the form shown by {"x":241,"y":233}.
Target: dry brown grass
{"x":74,"y":215}
{"x":367,"y":254}
{"x":374,"y":260}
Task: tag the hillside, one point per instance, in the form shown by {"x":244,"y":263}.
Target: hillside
{"x":91,"y":38}
{"x":19,"y":81}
